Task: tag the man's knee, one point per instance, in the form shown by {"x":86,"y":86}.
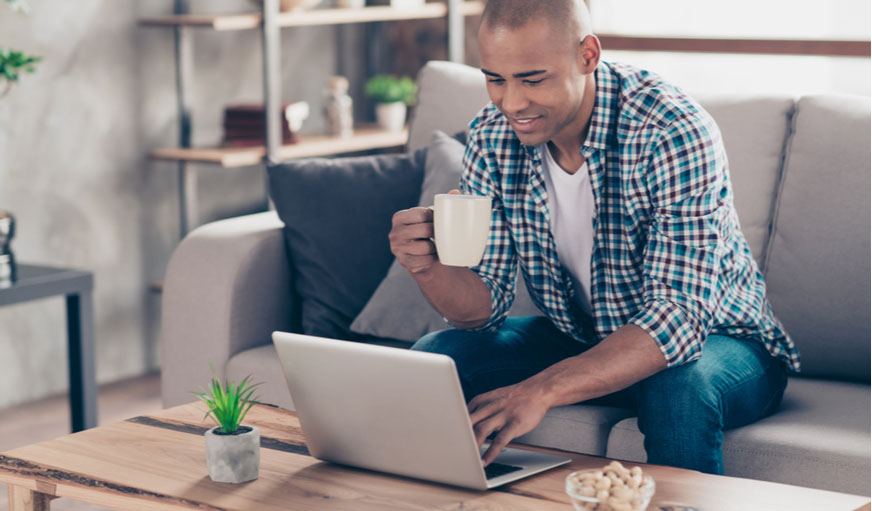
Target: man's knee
{"x":443,"y":341}
{"x":683,"y":394}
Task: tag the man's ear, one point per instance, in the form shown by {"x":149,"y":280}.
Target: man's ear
{"x":588,"y":55}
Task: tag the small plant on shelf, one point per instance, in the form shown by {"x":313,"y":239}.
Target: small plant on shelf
{"x":391,"y":89}
{"x":392,"y":95}
{"x":232,"y":450}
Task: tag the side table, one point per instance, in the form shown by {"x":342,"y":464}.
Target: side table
{"x":35,"y":282}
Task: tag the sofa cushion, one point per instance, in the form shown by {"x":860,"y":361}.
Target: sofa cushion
{"x":755,"y":157}
{"x":576,"y":428}
{"x":262,"y":363}
{"x":819,"y":438}
{"x":818,"y":269}
{"x":337,"y":215}
{"x":449,"y":96}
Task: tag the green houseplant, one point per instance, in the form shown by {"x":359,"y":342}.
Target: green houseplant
{"x":392,"y":96}
{"x":232,"y":450}
{"x":12,"y":62}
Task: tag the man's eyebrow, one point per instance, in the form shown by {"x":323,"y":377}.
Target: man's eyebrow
{"x":524,"y":74}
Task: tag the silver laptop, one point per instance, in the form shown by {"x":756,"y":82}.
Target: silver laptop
{"x":392,"y":410}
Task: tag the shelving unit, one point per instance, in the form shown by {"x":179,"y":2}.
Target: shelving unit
{"x":364,"y":138}
{"x":269,"y":21}
{"x":312,"y":17}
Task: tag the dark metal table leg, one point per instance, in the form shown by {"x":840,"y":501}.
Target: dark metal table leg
{"x":83,"y":387}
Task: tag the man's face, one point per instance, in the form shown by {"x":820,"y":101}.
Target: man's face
{"x":533,"y":78}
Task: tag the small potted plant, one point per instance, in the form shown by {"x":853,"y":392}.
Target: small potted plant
{"x":392,"y":96}
{"x":232,"y":450}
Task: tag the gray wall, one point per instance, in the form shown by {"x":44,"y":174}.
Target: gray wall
{"x":73,"y":167}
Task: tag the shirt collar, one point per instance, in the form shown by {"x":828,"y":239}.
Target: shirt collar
{"x":602,"y":119}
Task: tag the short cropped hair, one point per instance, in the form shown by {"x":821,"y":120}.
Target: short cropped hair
{"x":570,"y":15}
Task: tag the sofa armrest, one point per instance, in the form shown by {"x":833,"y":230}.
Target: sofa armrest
{"x":227,"y":288}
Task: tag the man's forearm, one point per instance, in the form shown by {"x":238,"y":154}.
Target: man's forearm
{"x":625,"y":357}
{"x":457,"y":293}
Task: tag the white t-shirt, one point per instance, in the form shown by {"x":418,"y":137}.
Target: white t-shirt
{"x":571,"y":207}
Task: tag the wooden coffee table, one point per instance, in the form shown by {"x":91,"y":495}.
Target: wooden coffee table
{"x":158,"y":462}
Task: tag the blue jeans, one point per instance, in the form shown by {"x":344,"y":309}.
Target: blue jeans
{"x":682,"y":411}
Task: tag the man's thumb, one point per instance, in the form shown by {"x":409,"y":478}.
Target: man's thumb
{"x":454,"y":192}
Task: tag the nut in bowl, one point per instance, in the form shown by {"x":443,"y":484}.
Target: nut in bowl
{"x":611,"y":488}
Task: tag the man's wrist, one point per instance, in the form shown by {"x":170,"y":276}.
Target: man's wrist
{"x":543,"y":387}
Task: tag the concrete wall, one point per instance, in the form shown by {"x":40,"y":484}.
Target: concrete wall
{"x":73,"y":167}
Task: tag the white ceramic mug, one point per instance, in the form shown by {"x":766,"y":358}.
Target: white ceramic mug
{"x":461,"y":224}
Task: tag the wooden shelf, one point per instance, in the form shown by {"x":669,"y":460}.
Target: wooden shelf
{"x":364,"y":138}
{"x":311,"y":17}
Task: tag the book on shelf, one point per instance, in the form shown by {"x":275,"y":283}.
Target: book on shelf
{"x":244,"y":123}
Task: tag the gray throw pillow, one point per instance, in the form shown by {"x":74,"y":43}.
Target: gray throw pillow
{"x":398,"y":309}
{"x":337,"y":215}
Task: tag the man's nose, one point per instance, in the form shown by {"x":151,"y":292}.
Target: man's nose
{"x":514,"y":99}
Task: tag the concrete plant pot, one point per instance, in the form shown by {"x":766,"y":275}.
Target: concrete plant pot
{"x":391,"y":116}
{"x":233,"y":458}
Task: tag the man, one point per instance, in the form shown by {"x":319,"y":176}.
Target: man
{"x":610,"y":189}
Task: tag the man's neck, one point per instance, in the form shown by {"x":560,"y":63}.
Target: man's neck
{"x":566,"y":147}
{"x":566,"y":150}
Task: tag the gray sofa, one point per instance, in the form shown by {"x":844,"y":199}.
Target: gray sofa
{"x":801,"y":175}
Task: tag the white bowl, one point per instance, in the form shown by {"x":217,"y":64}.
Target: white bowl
{"x":584,"y":496}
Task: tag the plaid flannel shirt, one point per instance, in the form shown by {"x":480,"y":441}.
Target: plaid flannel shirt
{"x":668,"y":254}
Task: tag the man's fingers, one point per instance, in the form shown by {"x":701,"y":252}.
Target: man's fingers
{"x":484,"y":428}
{"x":403,"y":233}
{"x":420,"y":248}
{"x":454,"y":192}
{"x":505,"y":436}
{"x":476,"y":403}
{"x":412,"y":216}
{"x":483,"y":406}
{"x":483,"y":413}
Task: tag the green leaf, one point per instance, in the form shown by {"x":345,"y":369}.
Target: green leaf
{"x":228,"y":402}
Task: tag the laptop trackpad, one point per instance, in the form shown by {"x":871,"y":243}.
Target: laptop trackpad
{"x":512,"y":464}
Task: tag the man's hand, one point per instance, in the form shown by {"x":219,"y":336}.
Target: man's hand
{"x":511,"y":411}
{"x":411,"y":241}
{"x":411,"y":238}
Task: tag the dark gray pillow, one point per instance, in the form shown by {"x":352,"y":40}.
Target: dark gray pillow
{"x":337,"y":215}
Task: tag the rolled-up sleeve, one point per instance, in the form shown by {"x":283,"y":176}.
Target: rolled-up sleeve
{"x":499,"y":266}
{"x":688,"y":188}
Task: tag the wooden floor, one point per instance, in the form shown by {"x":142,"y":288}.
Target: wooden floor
{"x":50,"y":418}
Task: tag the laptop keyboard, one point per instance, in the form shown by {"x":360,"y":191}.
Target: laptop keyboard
{"x":499,"y":469}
